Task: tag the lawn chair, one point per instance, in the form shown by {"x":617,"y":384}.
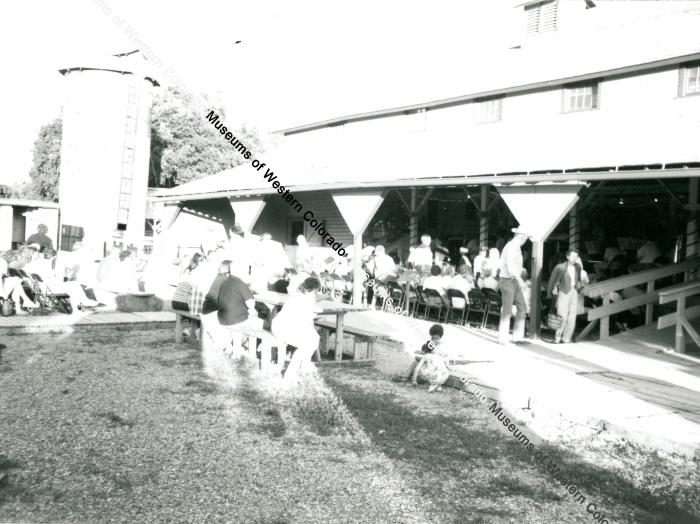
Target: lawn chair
{"x":59,"y":302}
{"x":457,"y":303}
{"x":495,"y":301}
{"x":478,"y":305}
{"x":433,"y":300}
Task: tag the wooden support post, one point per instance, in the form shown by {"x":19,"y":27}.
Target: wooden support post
{"x":573,"y":228}
{"x":649,"y":312}
{"x":535,"y":299}
{"x":483,"y":220}
{"x":413,"y":221}
{"x":605,"y":321}
{"x":691,"y":245}
{"x":680,"y":336}
{"x":358,"y":277}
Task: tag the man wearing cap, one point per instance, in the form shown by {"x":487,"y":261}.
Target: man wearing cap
{"x":511,"y":285}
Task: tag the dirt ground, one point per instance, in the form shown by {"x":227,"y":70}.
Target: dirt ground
{"x":127,"y":426}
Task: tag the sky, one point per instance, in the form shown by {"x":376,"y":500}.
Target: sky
{"x":298,"y":62}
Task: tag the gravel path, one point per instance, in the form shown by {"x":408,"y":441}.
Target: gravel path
{"x":126,"y":426}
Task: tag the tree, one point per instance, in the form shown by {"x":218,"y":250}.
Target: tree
{"x":47,"y":162}
{"x":185,"y":146}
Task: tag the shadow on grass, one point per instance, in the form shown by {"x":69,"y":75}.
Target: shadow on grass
{"x":438,"y":447}
{"x":247,"y":391}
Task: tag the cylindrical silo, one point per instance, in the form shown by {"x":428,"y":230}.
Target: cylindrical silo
{"x":105,"y":151}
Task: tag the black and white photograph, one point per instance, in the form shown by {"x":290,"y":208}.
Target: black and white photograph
{"x":350,"y":262}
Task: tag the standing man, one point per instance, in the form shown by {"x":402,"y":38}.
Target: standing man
{"x":41,"y":238}
{"x":463,"y":258}
{"x":565,"y":283}
{"x":423,"y":255}
{"x":511,"y":285}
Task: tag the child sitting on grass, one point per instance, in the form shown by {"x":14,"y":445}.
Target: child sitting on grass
{"x":431,"y":366}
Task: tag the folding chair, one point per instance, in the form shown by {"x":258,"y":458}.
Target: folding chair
{"x":495,"y":301}
{"x":457,"y":302}
{"x":433,"y":300}
{"x":478,"y":304}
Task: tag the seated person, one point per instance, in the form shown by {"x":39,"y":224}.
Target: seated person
{"x":384,"y":265}
{"x":435,"y":281}
{"x":11,"y":288}
{"x":52,"y":281}
{"x":183,"y":291}
{"x":236,"y":309}
{"x":431,"y":366}
{"x":464,"y":281}
{"x":294,"y":324}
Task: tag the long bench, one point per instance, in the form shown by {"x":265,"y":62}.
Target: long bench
{"x":359,"y":335}
{"x":267,"y":339}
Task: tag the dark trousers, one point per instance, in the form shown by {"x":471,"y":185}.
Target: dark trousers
{"x":511,"y":294}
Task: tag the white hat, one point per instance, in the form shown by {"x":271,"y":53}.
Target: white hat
{"x":519,"y":231}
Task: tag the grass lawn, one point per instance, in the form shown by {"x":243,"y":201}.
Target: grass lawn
{"x":126,"y":426}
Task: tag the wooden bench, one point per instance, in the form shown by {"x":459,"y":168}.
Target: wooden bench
{"x":179,"y":315}
{"x":361,"y":335}
{"x":267,"y":342}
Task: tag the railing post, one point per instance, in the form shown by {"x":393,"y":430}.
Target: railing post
{"x":650,"y":307}
{"x":605,"y":321}
{"x":680,"y":337}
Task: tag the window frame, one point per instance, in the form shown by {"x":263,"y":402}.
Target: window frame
{"x":478,"y":111}
{"x":595,"y":95}
{"x":683,"y":73}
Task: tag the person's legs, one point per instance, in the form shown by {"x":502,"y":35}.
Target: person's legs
{"x":14,"y":289}
{"x":306,"y":343}
{"x":562,"y":312}
{"x":508,"y":288}
{"x":570,"y":317}
{"x":519,"y":324}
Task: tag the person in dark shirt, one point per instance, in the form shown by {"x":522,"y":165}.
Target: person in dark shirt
{"x":235,"y":302}
{"x":41,"y":238}
{"x":211,"y":329}
{"x":211,"y":300}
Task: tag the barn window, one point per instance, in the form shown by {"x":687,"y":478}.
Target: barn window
{"x":580,"y":97}
{"x":541,"y":17}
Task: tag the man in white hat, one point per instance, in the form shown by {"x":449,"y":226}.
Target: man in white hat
{"x":511,"y":285}
{"x":463,"y":258}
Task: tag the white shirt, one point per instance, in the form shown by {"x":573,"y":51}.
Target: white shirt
{"x":421,"y":256}
{"x":479,"y":263}
{"x":436,"y":283}
{"x":383,"y":266}
{"x":512,"y":260}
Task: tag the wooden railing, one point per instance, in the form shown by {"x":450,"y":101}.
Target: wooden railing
{"x":682,"y":315}
{"x":648,"y":278}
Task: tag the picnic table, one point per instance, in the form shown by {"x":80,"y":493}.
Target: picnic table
{"x":327,"y":307}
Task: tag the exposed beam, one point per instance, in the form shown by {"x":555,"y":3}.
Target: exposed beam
{"x":670,"y":192}
{"x":402,"y":199}
{"x":469,"y":197}
{"x":425,"y":199}
{"x":498,"y":197}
